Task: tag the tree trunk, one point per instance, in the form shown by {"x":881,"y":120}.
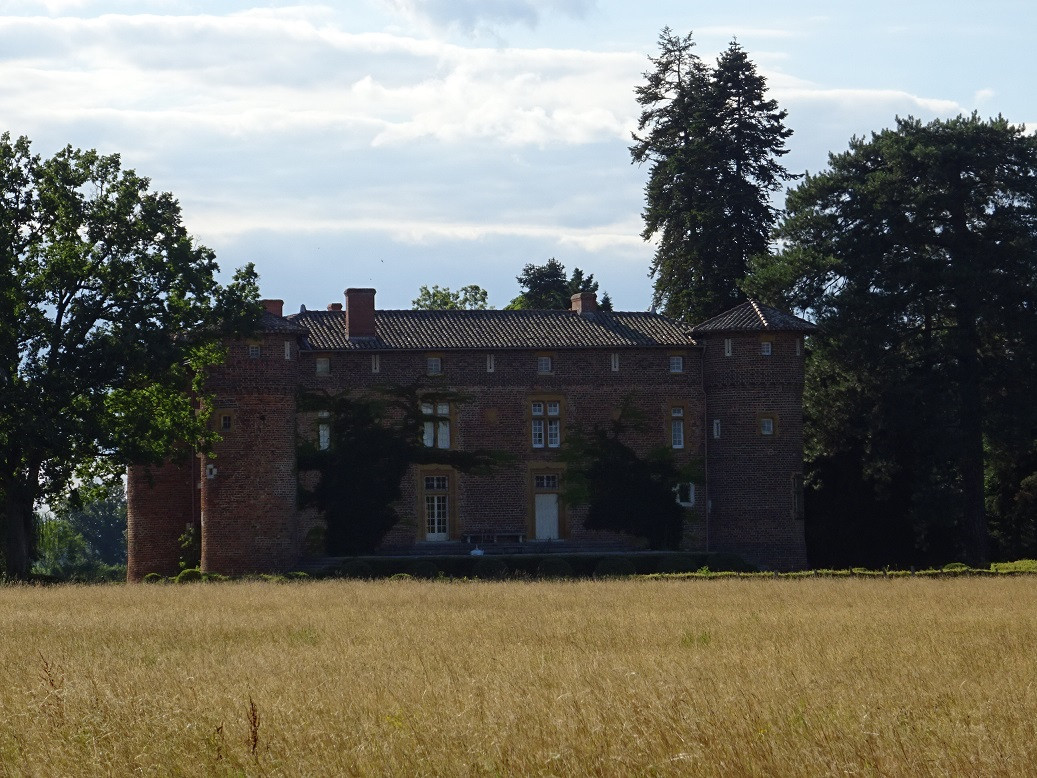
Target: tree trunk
{"x":19,"y":530}
{"x":974,"y":520}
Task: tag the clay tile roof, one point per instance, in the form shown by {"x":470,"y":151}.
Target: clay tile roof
{"x":752,"y":316}
{"x":268,"y":322}
{"x":326,"y":330}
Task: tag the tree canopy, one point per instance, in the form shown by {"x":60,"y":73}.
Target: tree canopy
{"x":547,"y":287}
{"x":442,"y":298}
{"x":712,"y":141}
{"x":109,"y":313}
{"x":916,"y":253}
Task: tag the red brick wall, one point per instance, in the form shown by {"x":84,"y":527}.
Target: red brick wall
{"x":161,"y":502}
{"x":749,"y":474}
{"x":495,"y":416}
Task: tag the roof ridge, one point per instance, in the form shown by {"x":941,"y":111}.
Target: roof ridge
{"x":756,"y":307}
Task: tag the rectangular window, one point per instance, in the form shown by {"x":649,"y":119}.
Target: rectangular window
{"x":554,"y":433}
{"x":538,"y":433}
{"x":546,"y":432}
{"x":323,"y":366}
{"x":287,"y":351}
{"x":434,"y":366}
{"x":716,"y":428}
{"x":436,"y":483}
{"x":490,"y":366}
{"x":255,"y":352}
{"x":225,"y":422}
{"x":323,"y":436}
{"x":376,"y":363}
{"x":436,"y":432}
{"x":766,"y":347}
{"x":766,"y":425}
{"x":615,"y":362}
{"x":544,"y":365}
{"x":545,"y":481}
{"x":685,"y":494}
{"x":677,"y":427}
{"x":727,"y":347}
{"x":799,"y":347}
{"x":676,"y":364}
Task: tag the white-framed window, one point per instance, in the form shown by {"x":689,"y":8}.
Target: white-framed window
{"x":255,"y":352}
{"x":490,"y":363}
{"x":716,"y":428}
{"x":376,"y":363}
{"x":287,"y":351}
{"x":323,"y":365}
{"x":685,"y":494}
{"x":434,"y":365}
{"x":545,"y":481}
{"x":436,"y":425}
{"x":437,"y":506}
{"x":324,"y":436}
{"x":766,"y":347}
{"x":546,"y":427}
{"x":677,"y":426}
{"x":676,"y":363}
{"x":545,"y":365}
{"x":727,"y":347}
{"x":766,"y":425}
{"x":614,"y":360}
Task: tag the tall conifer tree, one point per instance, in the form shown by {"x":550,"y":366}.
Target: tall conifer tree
{"x":713,"y":141}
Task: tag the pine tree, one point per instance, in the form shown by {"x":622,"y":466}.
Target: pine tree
{"x":713,"y":141}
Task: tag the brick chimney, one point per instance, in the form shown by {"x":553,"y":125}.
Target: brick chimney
{"x":276,"y":307}
{"x":584,"y":302}
{"x":360,"y":313}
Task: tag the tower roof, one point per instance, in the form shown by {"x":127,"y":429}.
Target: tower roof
{"x":752,"y":316}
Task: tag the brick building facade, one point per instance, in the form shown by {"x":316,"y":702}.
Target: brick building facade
{"x":724,"y":396}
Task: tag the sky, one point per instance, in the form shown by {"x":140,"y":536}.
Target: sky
{"x":396,"y":143}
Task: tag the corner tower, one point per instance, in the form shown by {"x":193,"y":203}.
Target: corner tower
{"x":753,"y":383}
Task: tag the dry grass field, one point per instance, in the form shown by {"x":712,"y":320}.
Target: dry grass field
{"x":644,"y":677}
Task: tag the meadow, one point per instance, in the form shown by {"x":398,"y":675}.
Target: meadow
{"x":627,"y":677}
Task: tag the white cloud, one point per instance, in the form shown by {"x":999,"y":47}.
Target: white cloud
{"x":474,"y":16}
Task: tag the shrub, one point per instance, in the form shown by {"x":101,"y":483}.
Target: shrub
{"x":189,"y":575}
{"x":356,"y":568}
{"x":400,"y":577}
{"x":214,"y":577}
{"x":959,"y":567}
{"x":1018,"y":566}
{"x":613,"y":567}
{"x":154,"y":578}
{"x":489,"y":567}
{"x":423,"y":568}
{"x":553,"y":567}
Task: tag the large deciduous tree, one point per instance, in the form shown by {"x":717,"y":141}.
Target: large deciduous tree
{"x":712,"y":141}
{"x":916,"y":253}
{"x":109,"y":313}
{"x":442,"y":298}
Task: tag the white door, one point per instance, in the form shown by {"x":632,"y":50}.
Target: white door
{"x":546,"y":506}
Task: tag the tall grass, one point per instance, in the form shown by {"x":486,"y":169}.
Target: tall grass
{"x":727,"y":677}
